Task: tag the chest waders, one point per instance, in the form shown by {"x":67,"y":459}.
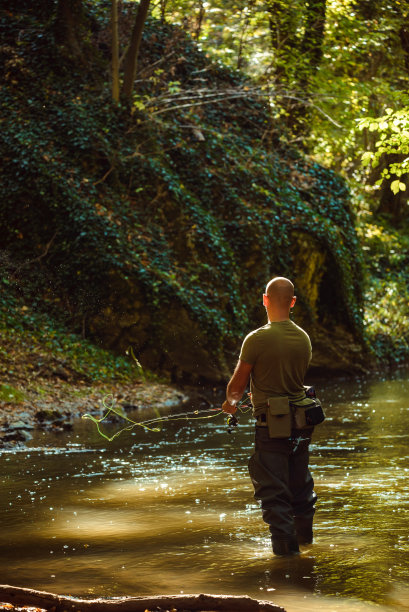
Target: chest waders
{"x":279,"y":470}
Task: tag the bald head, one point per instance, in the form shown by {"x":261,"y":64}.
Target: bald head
{"x":280,"y":292}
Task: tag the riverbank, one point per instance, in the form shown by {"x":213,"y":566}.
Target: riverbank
{"x":49,"y":376}
{"x":58,"y":403}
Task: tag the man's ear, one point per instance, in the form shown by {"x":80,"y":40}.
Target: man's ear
{"x":293,"y":301}
{"x":265,"y":300}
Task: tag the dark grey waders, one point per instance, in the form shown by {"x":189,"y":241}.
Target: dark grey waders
{"x":284,"y":486}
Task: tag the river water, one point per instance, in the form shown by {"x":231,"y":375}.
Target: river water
{"x":173,"y":511}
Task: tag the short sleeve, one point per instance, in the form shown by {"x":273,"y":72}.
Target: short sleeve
{"x":249,"y":349}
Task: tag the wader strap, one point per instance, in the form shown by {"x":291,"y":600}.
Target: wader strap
{"x":261,"y":420}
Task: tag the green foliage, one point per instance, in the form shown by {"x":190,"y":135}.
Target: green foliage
{"x":387,"y":293}
{"x":192,"y":199}
{"x":393,"y":139}
{"x":10,"y":394}
{"x":363,"y":69}
{"x":362,"y":72}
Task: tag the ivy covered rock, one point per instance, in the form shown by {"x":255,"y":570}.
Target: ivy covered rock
{"x":157,"y":225}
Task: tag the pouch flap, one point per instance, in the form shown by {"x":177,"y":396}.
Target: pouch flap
{"x":278,"y":405}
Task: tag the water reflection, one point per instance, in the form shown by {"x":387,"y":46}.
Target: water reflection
{"x":174,"y":511}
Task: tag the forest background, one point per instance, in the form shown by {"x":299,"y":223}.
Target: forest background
{"x":162,"y":160}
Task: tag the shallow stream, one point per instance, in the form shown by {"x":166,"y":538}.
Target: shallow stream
{"x":172,"y":512}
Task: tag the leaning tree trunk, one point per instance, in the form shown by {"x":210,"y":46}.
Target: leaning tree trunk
{"x":131,"y":59}
{"x":58,"y":603}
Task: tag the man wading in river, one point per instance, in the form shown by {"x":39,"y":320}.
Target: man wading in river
{"x":276,"y":358}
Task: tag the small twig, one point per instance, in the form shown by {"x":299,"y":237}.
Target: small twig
{"x":44,"y":254}
{"x":101,"y":180}
{"x":159,"y":61}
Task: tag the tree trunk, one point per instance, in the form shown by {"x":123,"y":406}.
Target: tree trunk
{"x":200,"y":18}
{"x":68,"y":27}
{"x":115,"y":51}
{"x":296,"y":57}
{"x":131,"y":59}
{"x":163,"y":4}
{"x":368,"y":9}
{"x":246,"y":11}
{"x":309,"y":59}
{"x":404,"y":39}
{"x":58,"y":603}
{"x":282,"y":19}
{"x":313,"y":37}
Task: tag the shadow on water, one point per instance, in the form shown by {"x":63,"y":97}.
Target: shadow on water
{"x":173,"y":511}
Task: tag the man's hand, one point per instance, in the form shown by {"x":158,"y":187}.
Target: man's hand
{"x":229,"y":408}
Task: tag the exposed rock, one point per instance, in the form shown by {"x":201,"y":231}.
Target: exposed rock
{"x":19,"y":425}
{"x":176,"y":344}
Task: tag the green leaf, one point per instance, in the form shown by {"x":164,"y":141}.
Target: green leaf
{"x":367,"y":158}
{"x":395,"y":186}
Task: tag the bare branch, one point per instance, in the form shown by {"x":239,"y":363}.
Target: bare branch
{"x":101,"y":180}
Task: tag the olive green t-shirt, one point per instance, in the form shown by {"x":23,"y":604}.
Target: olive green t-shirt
{"x":279,"y":353}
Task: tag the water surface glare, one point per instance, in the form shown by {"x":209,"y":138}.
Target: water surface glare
{"x":173,"y":511}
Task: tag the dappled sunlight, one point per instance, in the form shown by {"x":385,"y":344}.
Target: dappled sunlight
{"x":176,"y":512}
{"x":195,"y":484}
{"x":143,"y":524}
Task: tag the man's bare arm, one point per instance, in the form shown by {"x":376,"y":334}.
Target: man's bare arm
{"x":237,"y":386}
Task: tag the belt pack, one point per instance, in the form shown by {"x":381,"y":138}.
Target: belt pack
{"x":284,"y":414}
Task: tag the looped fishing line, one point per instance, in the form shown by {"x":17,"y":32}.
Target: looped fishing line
{"x":110,"y":406}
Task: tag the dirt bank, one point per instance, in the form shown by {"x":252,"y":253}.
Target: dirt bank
{"x":55,"y":403}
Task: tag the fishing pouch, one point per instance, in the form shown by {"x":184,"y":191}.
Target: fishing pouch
{"x":314,"y":415}
{"x":307,"y":412}
{"x":278,"y":417}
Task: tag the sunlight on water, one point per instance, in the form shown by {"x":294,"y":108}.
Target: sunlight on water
{"x":173,"y":511}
